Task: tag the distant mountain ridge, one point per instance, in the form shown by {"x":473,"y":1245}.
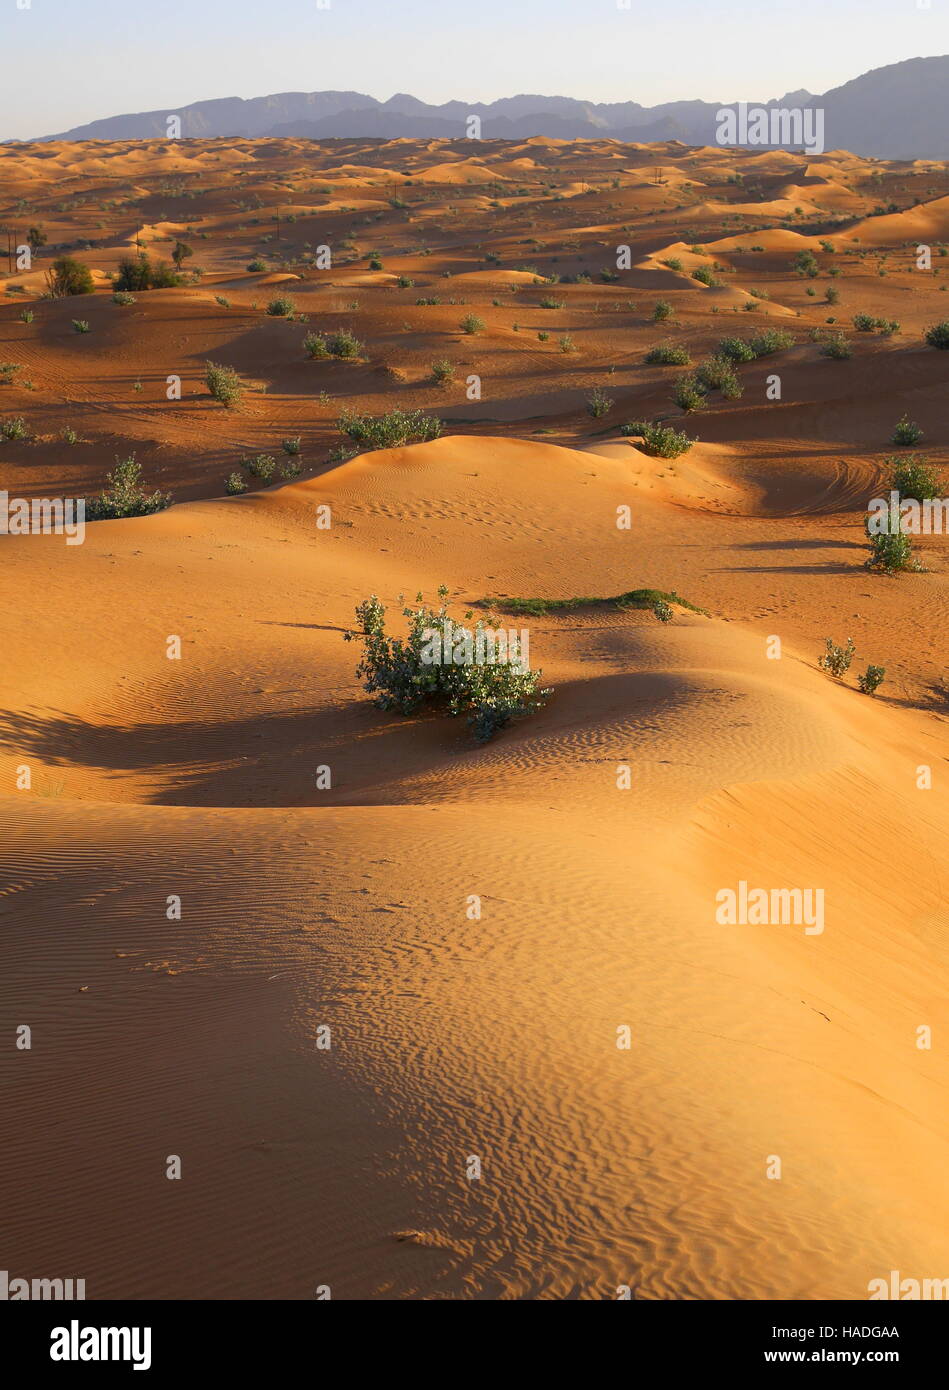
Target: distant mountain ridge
{"x":895,"y":112}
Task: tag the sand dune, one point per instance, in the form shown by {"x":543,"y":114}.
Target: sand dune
{"x":306,"y":906}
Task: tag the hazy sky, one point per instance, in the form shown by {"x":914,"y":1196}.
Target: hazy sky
{"x":66,"y":62}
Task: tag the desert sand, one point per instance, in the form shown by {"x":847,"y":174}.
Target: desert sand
{"x":346,"y":907}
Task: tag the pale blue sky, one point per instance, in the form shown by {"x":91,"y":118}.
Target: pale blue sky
{"x":65,"y":62}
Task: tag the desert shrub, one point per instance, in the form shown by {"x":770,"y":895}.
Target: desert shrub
{"x":837,"y":659}
{"x":15,"y":428}
{"x":68,"y":277}
{"x":705,"y":277}
{"x":662,"y":310}
{"x":224,"y":383}
{"x":832,"y":295}
{"x":673,"y":263}
{"x":718,"y":374}
{"x":391,"y":431}
{"x":471,"y":324}
{"x":543,"y":337}
{"x":260,"y":466}
{"x":134,"y":273}
{"x":836,"y":347}
{"x":662,"y":611}
{"x":124,"y":496}
{"x":805,"y":263}
{"x":223,"y":300}
{"x":443,"y":371}
{"x":864,"y":323}
{"x":81,"y":326}
{"x":736,"y":350}
{"x":404,"y":673}
{"x":257,"y":266}
{"x":8,"y":371}
{"x":566,"y":343}
{"x":433,"y":299}
{"x":314,"y":345}
{"x":598,"y":403}
{"x":938,"y":335}
{"x":27,"y":316}
{"x":234,"y":484}
{"x":907,"y":431}
{"x":375,"y":263}
{"x":344,"y":344}
{"x":892,"y":553}
{"x":548,"y":303}
{"x":123,"y":297}
{"x":688,"y":392}
{"x":770,"y":340}
{"x":872,"y":679}
{"x":405,"y":282}
{"x":913,"y":476}
{"x":668,"y":355}
{"x":290,"y":468}
{"x":281,"y":308}
{"x":887,"y":327}
{"x":660,"y":441}
{"x":292,"y":446}
{"x":68,"y":435}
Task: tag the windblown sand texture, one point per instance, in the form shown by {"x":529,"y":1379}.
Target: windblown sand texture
{"x":301,"y":908}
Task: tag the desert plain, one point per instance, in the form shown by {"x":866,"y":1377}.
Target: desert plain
{"x":588,"y":1085}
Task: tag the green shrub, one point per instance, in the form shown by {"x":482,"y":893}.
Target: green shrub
{"x":938,"y":335}
{"x":68,"y":277}
{"x":124,"y":496}
{"x":27,"y":316}
{"x":718,"y":374}
{"x":837,"y":659}
{"x":662,"y":611}
{"x":8,"y":371}
{"x":872,"y":679}
{"x":770,"y":340}
{"x":234,"y":484}
{"x":223,"y":383}
{"x":15,"y":428}
{"x":257,"y":266}
{"x":443,"y":371}
{"x":736,"y":350}
{"x":344,"y":345}
{"x":292,"y":446}
{"x":662,"y":310}
{"x":223,"y":300}
{"x":314,"y":345}
{"x":68,"y":435}
{"x":598,"y":403}
{"x":404,"y":673}
{"x":471,"y":324}
{"x":281,"y":308}
{"x":864,"y":323}
{"x":892,"y":553}
{"x":81,"y":326}
{"x":391,"y":431}
{"x":123,"y":297}
{"x":689,"y":392}
{"x":566,"y":343}
{"x":907,"y":432}
{"x":913,"y":477}
{"x":705,"y":277}
{"x":260,"y":466}
{"x":836,"y":347}
{"x":668,"y":355}
{"x":660,"y":441}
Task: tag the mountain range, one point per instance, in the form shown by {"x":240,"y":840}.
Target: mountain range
{"x":896,"y":112}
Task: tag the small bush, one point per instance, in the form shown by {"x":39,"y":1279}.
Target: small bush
{"x":223,"y":300}
{"x":770,"y":340}
{"x":668,"y":355}
{"x":660,"y":441}
{"x":836,"y":347}
{"x":837,"y":659}
{"x":705,"y":277}
{"x":234,"y":484}
{"x":892,"y":553}
{"x":261,"y":466}
{"x":872,"y":679}
{"x":292,"y":446}
{"x":907,"y":432}
{"x":403,"y":674}
{"x":223,"y":383}
{"x":67,"y":277}
{"x":662,"y":310}
{"x":864,"y":323}
{"x":391,"y":431}
{"x":736,"y":350}
{"x":123,"y":297}
{"x":938,"y":335}
{"x":689,"y":392}
{"x":257,"y":266}
{"x":662,"y":611}
{"x":913,"y":477}
{"x":344,"y":345}
{"x":566,"y":343}
{"x":443,"y":371}
{"x":8,"y":371}
{"x":124,"y":496}
{"x":27,"y":316}
{"x":69,"y":436}
{"x":81,"y":326}
{"x":314,"y":345}
{"x":598,"y":403}
{"x":471,"y":324}
{"x":718,"y":374}
{"x":16,"y":428}
{"x":281,"y":308}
